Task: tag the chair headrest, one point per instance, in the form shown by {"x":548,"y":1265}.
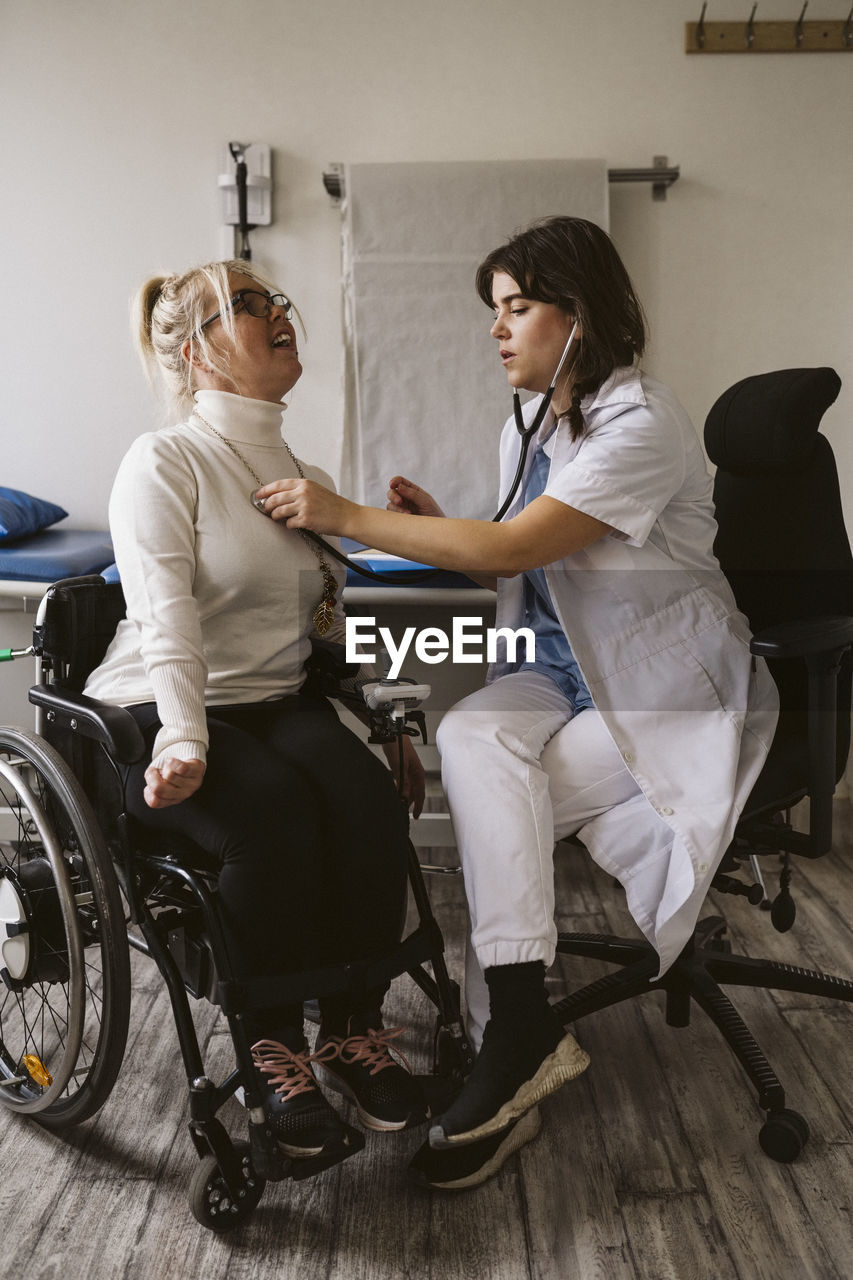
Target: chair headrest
{"x":769,"y":422}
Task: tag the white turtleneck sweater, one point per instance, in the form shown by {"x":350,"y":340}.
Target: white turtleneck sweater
{"x":219,"y":597}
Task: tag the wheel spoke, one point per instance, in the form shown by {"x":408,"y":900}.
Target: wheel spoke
{"x":69,"y":1013}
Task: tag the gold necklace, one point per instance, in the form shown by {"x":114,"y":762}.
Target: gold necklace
{"x":324,"y":614}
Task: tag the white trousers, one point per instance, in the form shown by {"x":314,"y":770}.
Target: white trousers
{"x":520,"y":772}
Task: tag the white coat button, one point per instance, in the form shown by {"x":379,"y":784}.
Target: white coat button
{"x":703,"y":867}
{"x":666,"y":809}
{"x":626,"y":755}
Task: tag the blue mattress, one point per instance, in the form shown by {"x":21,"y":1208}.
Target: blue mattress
{"x":69,"y":553}
{"x":55,"y":553}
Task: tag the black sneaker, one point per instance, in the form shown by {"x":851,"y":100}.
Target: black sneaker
{"x":303,"y":1121}
{"x":517,"y":1067}
{"x":386,"y":1094}
{"x":464,"y":1167}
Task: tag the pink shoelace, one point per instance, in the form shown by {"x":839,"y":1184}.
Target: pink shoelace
{"x":290,"y":1072}
{"x":371,"y":1050}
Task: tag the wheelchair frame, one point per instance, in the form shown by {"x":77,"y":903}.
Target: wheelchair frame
{"x":70,"y":885}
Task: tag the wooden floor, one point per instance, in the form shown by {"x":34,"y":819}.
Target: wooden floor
{"x":647,"y":1167}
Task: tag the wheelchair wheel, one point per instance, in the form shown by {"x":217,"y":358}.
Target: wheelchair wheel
{"x":211,"y":1202}
{"x":64,"y":960}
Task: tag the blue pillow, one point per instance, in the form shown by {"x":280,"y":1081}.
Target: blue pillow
{"x":21,"y":513}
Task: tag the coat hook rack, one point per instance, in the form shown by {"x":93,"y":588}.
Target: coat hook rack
{"x":662,"y":175}
{"x":830,"y":36}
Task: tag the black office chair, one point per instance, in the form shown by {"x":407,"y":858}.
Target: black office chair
{"x":783,"y":546}
{"x":74,"y":865}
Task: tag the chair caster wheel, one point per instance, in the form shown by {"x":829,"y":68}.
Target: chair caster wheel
{"x":211,"y":1202}
{"x":783,"y":1135}
{"x":783,"y":912}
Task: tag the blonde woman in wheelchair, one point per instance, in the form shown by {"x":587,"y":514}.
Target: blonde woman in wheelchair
{"x":304,"y":821}
{"x":642,"y":722}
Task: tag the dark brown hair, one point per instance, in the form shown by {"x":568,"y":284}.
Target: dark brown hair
{"x":573,"y":264}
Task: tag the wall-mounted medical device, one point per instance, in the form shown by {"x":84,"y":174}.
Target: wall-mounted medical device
{"x":245,"y":183}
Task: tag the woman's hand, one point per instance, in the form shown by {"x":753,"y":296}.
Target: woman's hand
{"x":304,"y":504}
{"x":413,"y":788}
{"x":410,"y":499}
{"x":176,"y":781}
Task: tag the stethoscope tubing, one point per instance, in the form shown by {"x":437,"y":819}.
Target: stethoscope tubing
{"x":527,"y":434}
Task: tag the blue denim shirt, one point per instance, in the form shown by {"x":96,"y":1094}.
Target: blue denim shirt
{"x":554,"y":657}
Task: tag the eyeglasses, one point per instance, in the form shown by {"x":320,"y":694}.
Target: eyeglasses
{"x":257,"y":304}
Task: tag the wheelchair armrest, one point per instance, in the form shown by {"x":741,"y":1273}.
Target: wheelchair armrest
{"x":329,"y":674}
{"x":328,"y":658}
{"x":113,"y":726}
{"x":803,"y":638}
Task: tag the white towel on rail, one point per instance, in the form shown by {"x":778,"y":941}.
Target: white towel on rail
{"x":425,"y":392}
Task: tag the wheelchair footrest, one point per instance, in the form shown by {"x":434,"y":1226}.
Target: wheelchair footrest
{"x":349,"y":1145}
{"x":271,"y":1163}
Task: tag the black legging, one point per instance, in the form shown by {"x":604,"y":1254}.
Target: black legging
{"x":309,"y":830}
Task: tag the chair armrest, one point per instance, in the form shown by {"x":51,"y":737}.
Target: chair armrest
{"x":822,"y":644}
{"x":113,"y":726}
{"x":799,"y":639}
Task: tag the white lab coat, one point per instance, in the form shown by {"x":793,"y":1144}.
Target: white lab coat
{"x":663,"y":649}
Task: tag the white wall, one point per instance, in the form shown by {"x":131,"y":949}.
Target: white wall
{"x":114,"y":115}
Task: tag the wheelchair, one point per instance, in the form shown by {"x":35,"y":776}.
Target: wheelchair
{"x":81,"y":882}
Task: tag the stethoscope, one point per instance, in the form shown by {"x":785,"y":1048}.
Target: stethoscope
{"x":526,"y":432}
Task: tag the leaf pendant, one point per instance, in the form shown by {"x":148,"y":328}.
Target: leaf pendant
{"x":324,"y":616}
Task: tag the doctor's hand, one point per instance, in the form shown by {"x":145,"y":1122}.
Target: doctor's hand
{"x":410,"y":499}
{"x":413,"y":788}
{"x":304,"y":504}
{"x":176,"y":781}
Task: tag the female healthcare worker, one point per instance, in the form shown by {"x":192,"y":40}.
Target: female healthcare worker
{"x":643,"y":721}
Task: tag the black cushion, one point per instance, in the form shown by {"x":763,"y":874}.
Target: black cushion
{"x":768,"y":422}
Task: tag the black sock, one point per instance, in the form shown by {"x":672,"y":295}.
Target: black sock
{"x":521,"y":1033}
{"x":517,"y":991}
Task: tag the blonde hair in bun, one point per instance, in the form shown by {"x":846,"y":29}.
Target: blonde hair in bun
{"x":168,"y":312}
